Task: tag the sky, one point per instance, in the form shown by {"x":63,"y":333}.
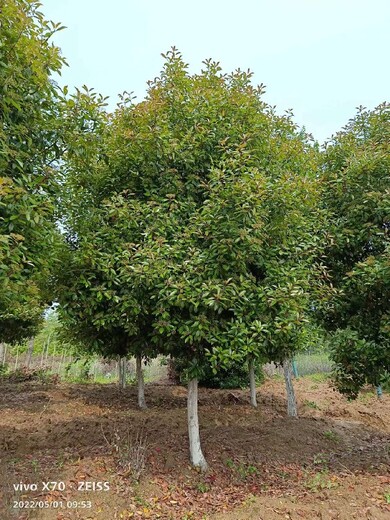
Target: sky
{"x":320,"y":58}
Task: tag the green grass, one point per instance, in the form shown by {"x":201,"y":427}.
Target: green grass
{"x":313,"y":364}
{"x":311,"y":404}
{"x":318,"y":378}
{"x":78,"y":373}
{"x":83,"y":371}
{"x":331,"y":435}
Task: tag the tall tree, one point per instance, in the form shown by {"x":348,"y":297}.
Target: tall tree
{"x":29,"y":146}
{"x":190,"y":221}
{"x":356,"y":172}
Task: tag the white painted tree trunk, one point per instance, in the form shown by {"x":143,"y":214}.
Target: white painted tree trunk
{"x":17,"y":358}
{"x":252,"y":383}
{"x":122,"y":363}
{"x":2,"y":353}
{"x":53,"y":359}
{"x":122,"y":373}
{"x":61,"y":363}
{"x":292,"y":410}
{"x":196,"y":455}
{"x":30,"y":352}
{"x":47,"y":350}
{"x":140,"y":382}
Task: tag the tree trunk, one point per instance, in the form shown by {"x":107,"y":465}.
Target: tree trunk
{"x":295,"y":369}
{"x":252,"y":383}
{"x":61,"y":362}
{"x":53,"y":358}
{"x":30,"y":352}
{"x":2,"y":354}
{"x":122,"y":373}
{"x":47,"y":350}
{"x":122,"y":362}
{"x":196,"y":455}
{"x":17,"y":358}
{"x":140,"y":382}
{"x":291,"y":401}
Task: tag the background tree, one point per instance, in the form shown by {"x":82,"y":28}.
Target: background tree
{"x":356,"y":171}
{"x":99,"y":308}
{"x":29,"y":147}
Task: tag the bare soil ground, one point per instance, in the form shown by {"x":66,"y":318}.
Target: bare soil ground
{"x":331,"y":463}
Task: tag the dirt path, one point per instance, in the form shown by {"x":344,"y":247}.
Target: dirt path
{"x":333,"y":462}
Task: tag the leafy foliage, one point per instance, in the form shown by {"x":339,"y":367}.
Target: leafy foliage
{"x":190,"y":220}
{"x":29,"y":146}
{"x":236,"y":376}
{"x":357,"y":165}
{"x":357,"y":361}
{"x":51,"y":338}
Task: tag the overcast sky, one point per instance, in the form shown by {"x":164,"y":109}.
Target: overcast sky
{"x":322,"y":58}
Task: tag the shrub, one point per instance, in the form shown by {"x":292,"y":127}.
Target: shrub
{"x":41,"y":375}
{"x":3,"y":369}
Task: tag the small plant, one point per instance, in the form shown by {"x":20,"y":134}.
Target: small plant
{"x":230,"y":464}
{"x":311,"y":404}
{"x":203,"y":487}
{"x":35,"y":465}
{"x":244,"y":470}
{"x":129,"y":451}
{"x":320,"y":481}
{"x":385,"y":381}
{"x":85,"y":375}
{"x":321,"y":460}
{"x":387,"y":497}
{"x":60,"y":463}
{"x":131,"y":380}
{"x":366,"y":396}
{"x":248,"y":471}
{"x":251,"y":499}
{"x":3,"y":369}
{"x":331,"y":435}
{"x":44,"y":376}
{"x":140,"y":501}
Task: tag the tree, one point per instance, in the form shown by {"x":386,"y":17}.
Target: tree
{"x":29,"y":146}
{"x":190,"y":222}
{"x":98,"y":307}
{"x":356,"y":172}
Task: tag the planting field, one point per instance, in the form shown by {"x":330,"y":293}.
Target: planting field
{"x":331,"y":463}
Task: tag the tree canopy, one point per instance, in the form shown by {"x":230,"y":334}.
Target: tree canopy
{"x":356,"y":171}
{"x":29,"y":147}
{"x":192,"y":213}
